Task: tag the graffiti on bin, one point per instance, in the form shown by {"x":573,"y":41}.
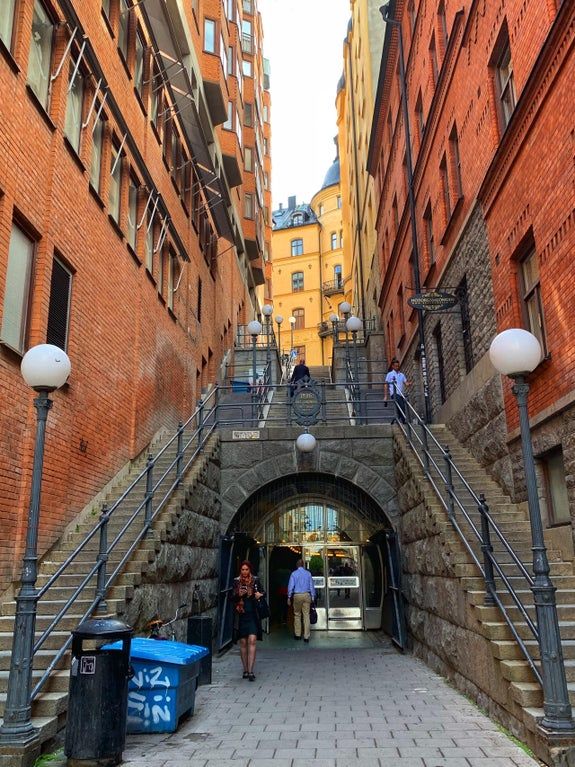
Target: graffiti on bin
{"x":153,"y":707}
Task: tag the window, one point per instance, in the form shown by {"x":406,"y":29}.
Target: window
{"x":17,"y":293}
{"x":419,"y":121}
{"x":199,"y":301}
{"x":132,"y":212}
{"x":249,"y":159}
{"x":299,"y":352}
{"x":59,"y":306}
{"x":333,"y":240}
{"x":106,"y":8}
{"x":412,"y":15}
{"x":433,"y":59}
{"x":440,"y":361}
{"x":40,"y":53}
{"x":338,"y":276}
{"x":463,"y":296}
{"x":247,"y":68}
{"x":297,"y":282}
{"x":338,"y":201}
{"x":249,"y":114}
{"x":429,"y":241}
{"x":551,"y":476}
{"x":248,"y":6}
{"x":504,"y":84}
{"x":320,"y":209}
{"x":395,"y":213}
{"x":124,"y":29}
{"x":442,"y":28}
{"x":341,"y":238}
{"x":266,"y":146}
{"x":96,"y":161}
{"x":532,"y":304}
{"x":249,"y":206}
{"x":297,"y":247}
{"x":455,"y":162}
{"x":266,"y":113}
{"x":297,"y":219}
{"x":149,"y":243}
{"x":209,"y":35}
{"x":230,"y":58}
{"x":229,"y":123}
{"x":231,"y":10}
{"x":299,"y":315}
{"x":139,"y":64}
{"x":7,"y":22}
{"x":74,"y":104}
{"x":115,"y":184}
{"x":247,"y":37}
{"x":445,"y":188}
{"x":401,"y":311}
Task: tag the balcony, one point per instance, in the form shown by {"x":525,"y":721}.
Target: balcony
{"x":215,"y":88}
{"x":331,"y":287}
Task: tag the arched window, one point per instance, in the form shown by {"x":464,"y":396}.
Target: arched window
{"x":333,"y":240}
{"x":337,"y":275}
{"x":299,"y":315}
{"x":297,"y":247}
{"x":296,"y":282}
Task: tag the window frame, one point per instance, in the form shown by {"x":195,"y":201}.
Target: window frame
{"x":14,"y":282}
{"x":296,"y":246}
{"x":531,"y":297}
{"x":75,"y":139}
{"x":299,"y":314}
{"x":297,"y":282}
{"x":8,"y":23}
{"x":214,"y":26}
{"x":52,"y":333}
{"x":43,"y":92}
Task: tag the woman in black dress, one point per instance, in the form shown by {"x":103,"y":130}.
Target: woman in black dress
{"x":247,"y":623}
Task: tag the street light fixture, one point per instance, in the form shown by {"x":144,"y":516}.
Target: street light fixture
{"x":45,"y":368}
{"x":515,"y":353}
{"x":306,"y":442}
{"x":267,"y":311}
{"x":345,"y":308}
{"x":279,"y":320}
{"x":384,"y":10}
{"x":292,"y":321}
{"x":254,"y":329}
{"x":354,"y":325}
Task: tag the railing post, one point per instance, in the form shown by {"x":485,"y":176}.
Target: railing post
{"x":200,"y":424}
{"x":216,"y":406}
{"x":148,"y":508}
{"x":180,"y":455}
{"x":449,"y":481}
{"x":425,"y":443}
{"x":487,"y":550}
{"x":407,"y":416}
{"x":102,"y":560}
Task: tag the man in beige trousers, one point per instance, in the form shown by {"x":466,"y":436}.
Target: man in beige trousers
{"x":302,"y":592}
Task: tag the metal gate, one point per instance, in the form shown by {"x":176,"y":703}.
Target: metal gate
{"x":399,"y":632}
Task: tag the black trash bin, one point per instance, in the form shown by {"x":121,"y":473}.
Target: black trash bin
{"x":200,"y":633}
{"x":98,"y":693}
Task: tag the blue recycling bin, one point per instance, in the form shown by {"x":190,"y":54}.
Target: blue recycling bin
{"x":240,"y":387}
{"x":163,"y":688}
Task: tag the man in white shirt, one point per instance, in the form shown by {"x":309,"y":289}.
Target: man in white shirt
{"x":395,"y":386}
{"x":302,"y":591}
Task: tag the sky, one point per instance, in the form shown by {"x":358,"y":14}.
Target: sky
{"x":303,"y":39}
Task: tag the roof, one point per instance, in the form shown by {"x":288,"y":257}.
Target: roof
{"x":299,"y":215}
{"x":333,"y":175}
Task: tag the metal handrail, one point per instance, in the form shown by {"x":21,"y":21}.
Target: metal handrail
{"x":484,"y":536}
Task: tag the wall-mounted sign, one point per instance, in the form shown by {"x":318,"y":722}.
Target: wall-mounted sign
{"x":246,"y":434}
{"x":433,"y":301}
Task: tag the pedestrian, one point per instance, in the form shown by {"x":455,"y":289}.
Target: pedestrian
{"x":395,"y":386}
{"x":300,"y":372}
{"x":302,"y":592}
{"x":247,"y":623}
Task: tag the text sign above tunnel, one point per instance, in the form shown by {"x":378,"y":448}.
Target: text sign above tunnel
{"x":433,"y":301}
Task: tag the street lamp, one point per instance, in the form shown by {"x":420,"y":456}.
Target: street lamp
{"x":254,"y":329}
{"x":292,"y":321}
{"x":267,"y":311}
{"x":44,"y":368}
{"x":334,"y":319}
{"x":306,"y":442}
{"x":345,"y":308}
{"x":384,"y":10}
{"x":279,"y":320}
{"x":515,"y":353}
{"x":353,"y":325}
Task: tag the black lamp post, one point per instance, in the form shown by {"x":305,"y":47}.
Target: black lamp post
{"x":44,"y":368}
{"x":384,"y":10}
{"x":354,"y":325}
{"x":345,"y":308}
{"x":516,"y":353}
{"x":267,"y":311}
{"x":254,"y":329}
{"x":279,"y":320}
{"x":292,"y":321}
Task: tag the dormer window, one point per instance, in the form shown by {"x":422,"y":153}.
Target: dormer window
{"x":297,"y":219}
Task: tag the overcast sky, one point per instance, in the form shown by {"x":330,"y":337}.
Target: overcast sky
{"x":303,"y":39}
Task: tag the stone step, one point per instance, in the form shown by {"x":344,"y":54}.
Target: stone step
{"x":42,"y":659}
{"x":46,"y":728}
{"x":50,"y":607}
{"x":499,"y":630}
{"x":46,"y":705}
{"x":53,"y":642}
{"x":57,"y":682}
{"x":562,"y":596}
{"x":565,"y":612}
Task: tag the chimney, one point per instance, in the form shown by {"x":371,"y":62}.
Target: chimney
{"x":281,"y":206}
{"x":291,"y":202}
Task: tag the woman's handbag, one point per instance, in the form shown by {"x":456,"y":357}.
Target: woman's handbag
{"x":263,"y":608}
{"x":312,"y":615}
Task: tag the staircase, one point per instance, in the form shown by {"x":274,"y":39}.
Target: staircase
{"x":50,"y":704}
{"x":525,"y":693}
{"x":335,"y":409}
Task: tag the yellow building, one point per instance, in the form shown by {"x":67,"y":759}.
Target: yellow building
{"x":309,"y":271}
{"x":355,"y":104}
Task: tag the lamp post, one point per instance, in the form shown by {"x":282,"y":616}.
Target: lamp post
{"x":354,"y":324}
{"x":345,"y":308}
{"x":44,"y":368}
{"x":267,"y":311}
{"x":279,"y":320}
{"x":292,"y":321}
{"x":334,"y":320}
{"x":384,"y":10}
{"x":516,"y":353}
{"x":254,"y":329}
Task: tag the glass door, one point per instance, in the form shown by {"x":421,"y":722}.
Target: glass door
{"x":315,"y":562}
{"x":344,"y":598}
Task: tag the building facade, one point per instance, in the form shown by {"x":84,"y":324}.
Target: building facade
{"x":132,"y":227}
{"x":310,"y":271}
{"x":490,"y":104}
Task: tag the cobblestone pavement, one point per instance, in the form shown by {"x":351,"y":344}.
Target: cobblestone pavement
{"x":327,"y":707}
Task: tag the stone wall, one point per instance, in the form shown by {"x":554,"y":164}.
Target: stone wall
{"x":185,"y":569}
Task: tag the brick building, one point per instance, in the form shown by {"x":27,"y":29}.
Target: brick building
{"x":132,"y":228}
{"x":490,"y":103}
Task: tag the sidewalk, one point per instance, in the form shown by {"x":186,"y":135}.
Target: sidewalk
{"x":329,"y":705}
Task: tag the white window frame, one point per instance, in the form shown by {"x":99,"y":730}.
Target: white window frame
{"x":40,"y":57}
{"x":21,"y":252}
